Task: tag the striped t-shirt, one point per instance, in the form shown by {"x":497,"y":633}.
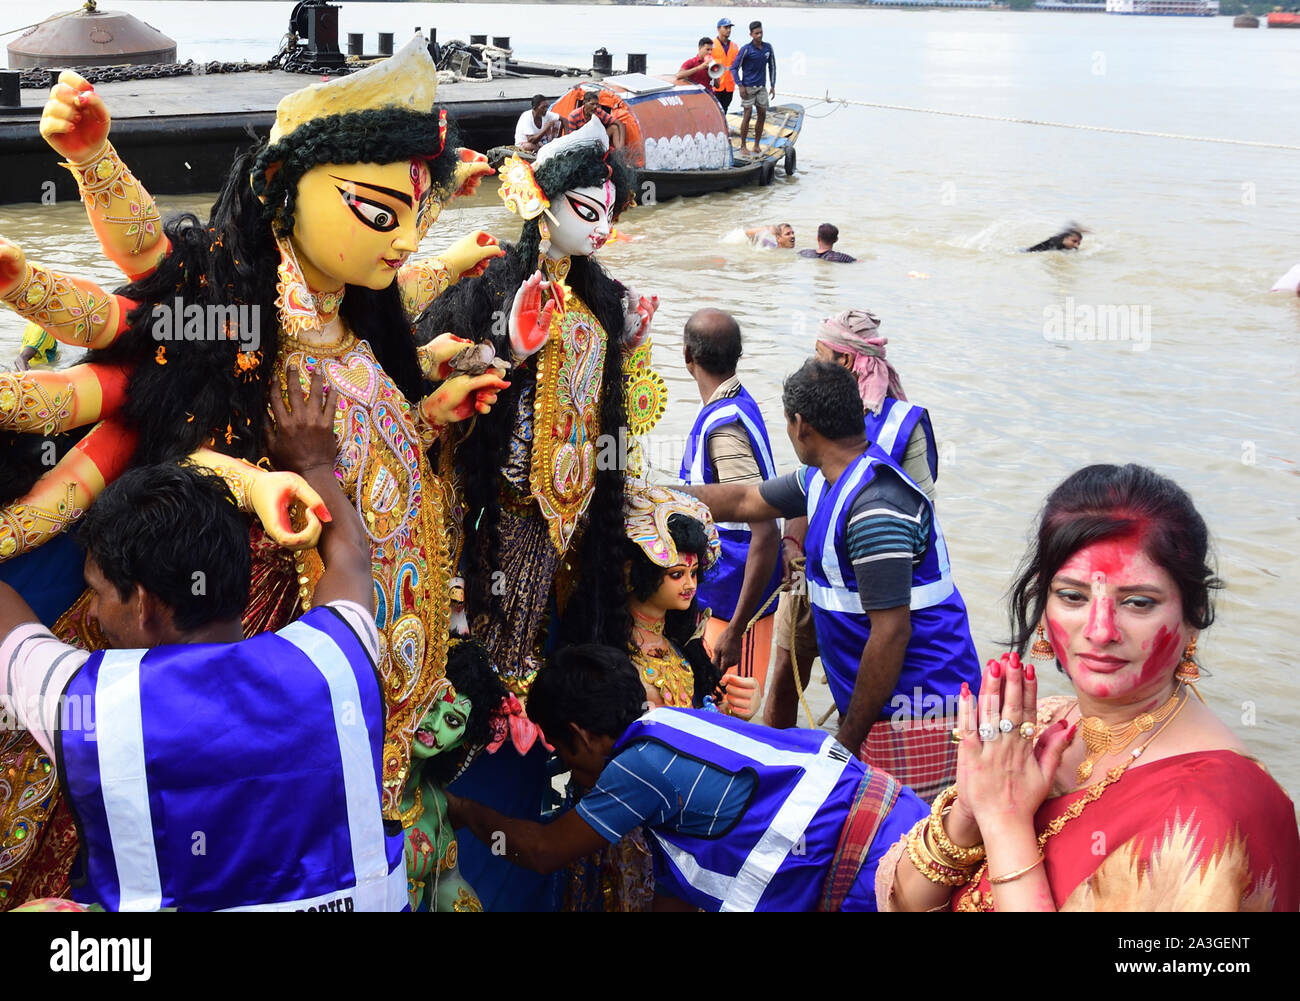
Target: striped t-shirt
{"x":888,"y":531}
{"x":648,"y":783}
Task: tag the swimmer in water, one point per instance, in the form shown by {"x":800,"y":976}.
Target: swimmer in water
{"x":1068,"y":239}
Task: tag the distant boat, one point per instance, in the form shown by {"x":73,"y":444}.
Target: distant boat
{"x":1164,"y":8}
{"x":678,"y":139}
{"x":1284,"y":19}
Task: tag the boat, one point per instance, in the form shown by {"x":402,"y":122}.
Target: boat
{"x":1245,"y":21}
{"x":1284,"y":19}
{"x":1164,"y":8}
{"x":678,"y":139}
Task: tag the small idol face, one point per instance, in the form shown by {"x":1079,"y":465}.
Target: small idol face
{"x":357,"y":223}
{"x":578,"y":221}
{"x":443,"y":727}
{"x":1115,"y":620}
{"x":680,"y":583}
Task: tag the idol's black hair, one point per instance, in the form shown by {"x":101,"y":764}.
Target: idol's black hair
{"x":478,"y":308}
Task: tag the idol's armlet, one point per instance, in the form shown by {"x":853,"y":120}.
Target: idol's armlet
{"x":62,"y":495}
{"x":123,"y":214}
{"x":48,"y":402}
{"x":74,"y":311}
{"x":420,"y":282}
{"x":240,"y":476}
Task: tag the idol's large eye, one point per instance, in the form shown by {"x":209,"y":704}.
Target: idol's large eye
{"x":376,"y":215}
{"x":582,"y":210}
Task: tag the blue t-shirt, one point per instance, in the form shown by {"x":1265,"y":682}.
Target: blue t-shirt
{"x":648,"y":783}
{"x":751,"y":64}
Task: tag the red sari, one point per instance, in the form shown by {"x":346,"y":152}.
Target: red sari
{"x":1207,"y":831}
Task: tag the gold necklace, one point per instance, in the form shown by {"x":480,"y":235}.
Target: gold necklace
{"x":670,"y":673}
{"x":1101,"y":739}
{"x":648,"y":623}
{"x":327,"y":303}
{"x":411,"y":816}
{"x":339,"y":345}
{"x":980,"y":901}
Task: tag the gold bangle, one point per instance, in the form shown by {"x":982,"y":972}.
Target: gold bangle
{"x":1009,"y":877}
{"x":962,"y":856}
{"x":929,"y":867}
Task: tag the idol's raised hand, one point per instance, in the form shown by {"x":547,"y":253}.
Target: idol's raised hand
{"x":435,"y":357}
{"x":13,"y":267}
{"x":1003,"y":774}
{"x":471,"y":169}
{"x":75,"y":121}
{"x":743,"y":697}
{"x":469,"y":256}
{"x":530,"y":320}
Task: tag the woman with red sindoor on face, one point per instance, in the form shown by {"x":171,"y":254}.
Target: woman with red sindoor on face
{"x":1132,"y":795}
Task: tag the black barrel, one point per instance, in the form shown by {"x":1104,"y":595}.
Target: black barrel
{"x":478,"y":39}
{"x":636,"y":62}
{"x":385,"y":43}
{"x":602,"y":61}
{"x":10,"y":94}
{"x":355,"y":43}
{"x":501,"y":41}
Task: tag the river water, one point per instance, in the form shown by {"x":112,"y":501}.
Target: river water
{"x":1186,"y":239}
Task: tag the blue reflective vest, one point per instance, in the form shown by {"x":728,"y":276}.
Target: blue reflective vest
{"x":235,"y":776}
{"x":721,"y":590}
{"x":892,"y":429}
{"x":940,"y":654}
{"x":777,"y":854}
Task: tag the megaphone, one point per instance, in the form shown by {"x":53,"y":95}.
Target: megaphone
{"x":716,"y":69}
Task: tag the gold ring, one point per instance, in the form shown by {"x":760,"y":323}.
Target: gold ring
{"x":956,"y":735}
{"x":1027,"y":730}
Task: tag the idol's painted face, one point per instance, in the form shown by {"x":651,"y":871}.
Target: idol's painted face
{"x":357,"y":223}
{"x":578,"y":221}
{"x":679,"y":585}
{"x":443,"y":727}
{"x":1115,"y":619}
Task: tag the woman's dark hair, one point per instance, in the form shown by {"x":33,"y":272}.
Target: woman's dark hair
{"x":644,"y":578}
{"x":591,"y":685}
{"x":470,"y":670}
{"x":185,"y":394}
{"x":176,"y":531}
{"x":1112,"y":502}
{"x":477,"y":308}
{"x":826,"y":396}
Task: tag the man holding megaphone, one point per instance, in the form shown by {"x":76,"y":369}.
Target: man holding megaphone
{"x":699,"y":67}
{"x":724,"y":54}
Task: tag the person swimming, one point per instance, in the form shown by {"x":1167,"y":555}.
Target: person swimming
{"x":1068,"y":239}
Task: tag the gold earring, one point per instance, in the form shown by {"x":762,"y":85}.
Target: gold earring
{"x":1042,"y":650}
{"x":1188,"y":672}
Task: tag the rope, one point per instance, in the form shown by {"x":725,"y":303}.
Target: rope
{"x":55,"y":17}
{"x":1035,"y":121}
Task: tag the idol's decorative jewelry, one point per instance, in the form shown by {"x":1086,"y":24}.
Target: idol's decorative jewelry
{"x":1005,"y":725}
{"x":71,"y":309}
{"x":27,"y":405}
{"x":300,"y":310}
{"x":670,"y":673}
{"x":988,"y":731}
{"x":519,"y":189}
{"x":1012,"y":876}
{"x":108,"y":186}
{"x":646,"y":510}
{"x":23,"y":527}
{"x":409,"y":817}
{"x":1041,"y":650}
{"x":1101,"y":739}
{"x":1028,"y":730}
{"x":648,"y":623}
{"x":980,"y":901}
